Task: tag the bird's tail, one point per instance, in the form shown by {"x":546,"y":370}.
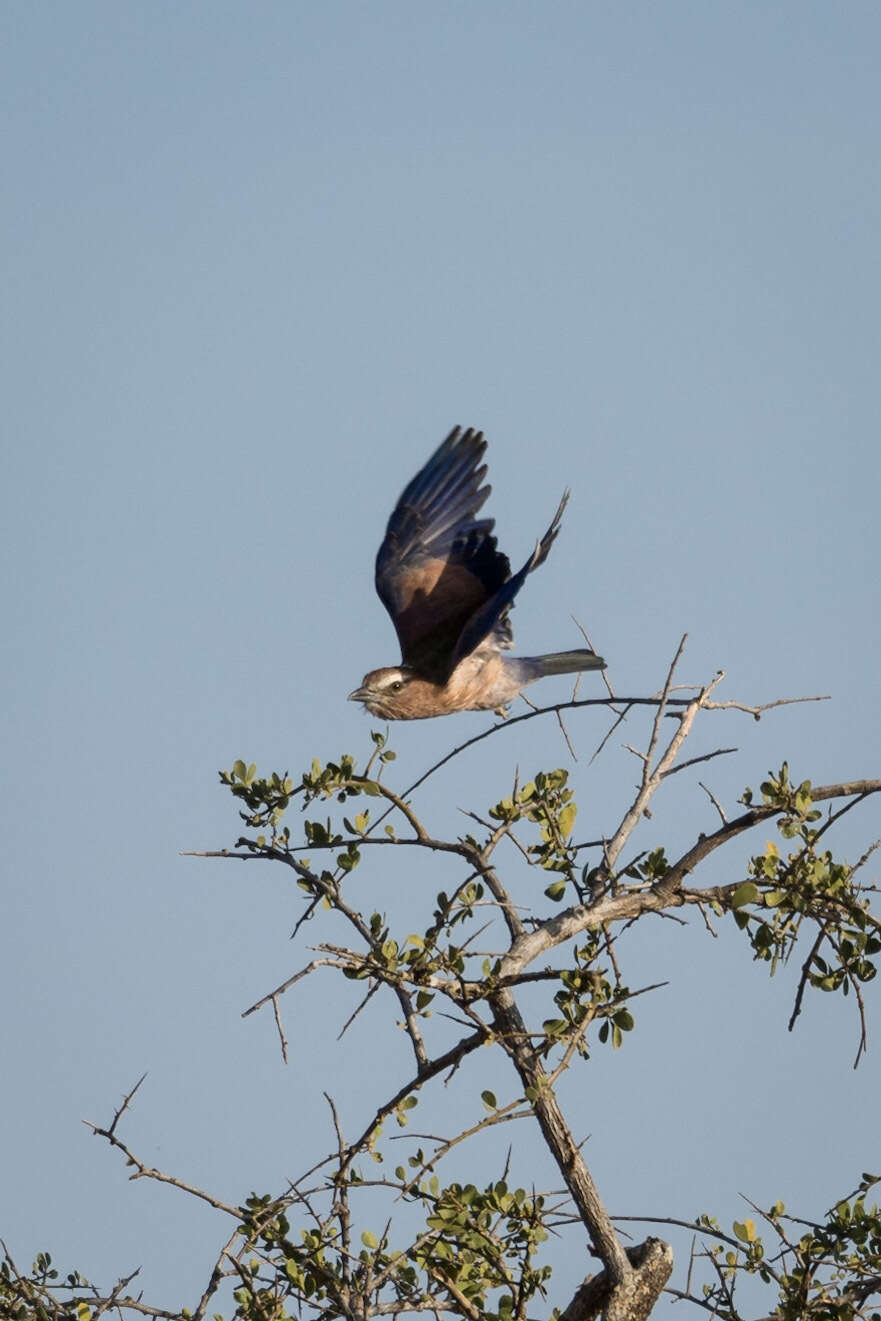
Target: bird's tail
{"x":561,"y":662}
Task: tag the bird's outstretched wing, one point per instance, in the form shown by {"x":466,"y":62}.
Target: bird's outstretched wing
{"x":438,"y":566}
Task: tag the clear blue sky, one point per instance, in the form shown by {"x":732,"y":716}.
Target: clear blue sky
{"x":257,"y":260}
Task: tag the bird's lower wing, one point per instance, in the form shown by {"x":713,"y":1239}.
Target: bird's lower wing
{"x":491,"y":619}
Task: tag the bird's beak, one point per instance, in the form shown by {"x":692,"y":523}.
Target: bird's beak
{"x":359,"y":695}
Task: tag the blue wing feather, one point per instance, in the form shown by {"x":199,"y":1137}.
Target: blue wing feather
{"x":439,"y":572}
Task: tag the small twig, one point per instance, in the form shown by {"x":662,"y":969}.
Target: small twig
{"x":114,"y":1297}
{"x":864,"y":1035}
{"x":681,"y":1224}
{"x":122,"y":1109}
{"x":342,"y":1194}
{"x":805,"y":974}
{"x":758,"y":711}
{"x":217,"y":1275}
{"x":281,"y":1036}
{"x":503,"y":1115}
{"x":714,"y":800}
{"x":566,"y":735}
{"x":613,"y":959}
{"x":861,"y":862}
{"x":305,"y":916}
{"x":707,"y":923}
{"x":622,"y":715}
{"x":662,"y":706}
{"x":429,"y":1070}
{"x":604,"y":673}
{"x":690,"y":1264}
{"x":144,"y":1171}
{"x":291,"y":981}
{"x":693,"y":761}
{"x":364,"y":1002}
{"x":640,"y":756}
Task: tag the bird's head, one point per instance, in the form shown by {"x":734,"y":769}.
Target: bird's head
{"x":392,"y":693}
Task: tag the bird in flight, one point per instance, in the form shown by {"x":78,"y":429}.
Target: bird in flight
{"x":449,"y":592}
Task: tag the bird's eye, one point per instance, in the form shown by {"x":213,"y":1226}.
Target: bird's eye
{"x":397,"y":685}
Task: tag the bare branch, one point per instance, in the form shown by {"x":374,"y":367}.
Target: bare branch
{"x":429,"y":1070}
{"x":627,"y":702}
{"x":708,"y":843}
{"x":127,"y":1100}
{"x":758,"y":711}
{"x":291,"y":981}
{"x":863,"y":1045}
{"x":216,"y":1279}
{"x":278,"y":1023}
{"x":666,"y":893}
{"x":144,"y":1171}
{"x":714,"y":800}
{"x":805,"y":974}
{"x":565,"y":734}
{"x":365,"y":1000}
{"x":604,"y":673}
{"x":693,"y":761}
{"x":652,"y":776}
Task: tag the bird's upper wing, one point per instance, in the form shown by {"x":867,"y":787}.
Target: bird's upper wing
{"x":491,"y":619}
{"x":438,"y":566}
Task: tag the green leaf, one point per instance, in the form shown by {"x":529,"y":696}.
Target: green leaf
{"x":747,"y":893}
{"x":489,"y":1100}
{"x":369,"y":1239}
{"x":566,"y":819}
{"x":746,"y":1231}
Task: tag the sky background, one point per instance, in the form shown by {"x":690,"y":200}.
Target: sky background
{"x":256,"y":261}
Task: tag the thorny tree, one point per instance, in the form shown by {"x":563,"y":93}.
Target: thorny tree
{"x":327,"y":1246}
